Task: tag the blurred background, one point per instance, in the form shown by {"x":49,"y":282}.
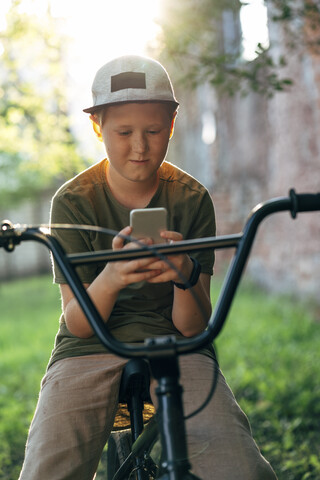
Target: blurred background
{"x":247,"y":76}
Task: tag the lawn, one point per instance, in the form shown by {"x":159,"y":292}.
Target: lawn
{"x":29,"y":318}
{"x":269,"y":351}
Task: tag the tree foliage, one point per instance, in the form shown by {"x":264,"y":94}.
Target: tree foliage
{"x":203,"y":38}
{"x":37,"y":147}
{"x":300,"y":20}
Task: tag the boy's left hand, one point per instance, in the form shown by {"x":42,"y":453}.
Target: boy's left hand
{"x":182,"y":263}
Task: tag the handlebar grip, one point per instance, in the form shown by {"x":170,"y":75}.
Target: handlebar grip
{"x":304,"y":202}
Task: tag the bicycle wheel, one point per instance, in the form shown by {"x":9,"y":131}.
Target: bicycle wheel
{"x":119,"y":454}
{"x":119,"y":448}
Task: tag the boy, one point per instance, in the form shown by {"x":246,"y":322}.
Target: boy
{"x":133,"y":112}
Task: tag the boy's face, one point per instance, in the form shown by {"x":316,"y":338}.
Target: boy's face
{"x":136,"y":137}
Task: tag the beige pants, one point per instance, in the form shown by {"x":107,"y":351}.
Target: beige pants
{"x":77,"y":405}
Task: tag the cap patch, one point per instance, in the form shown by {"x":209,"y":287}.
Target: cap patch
{"x":128,"y":80}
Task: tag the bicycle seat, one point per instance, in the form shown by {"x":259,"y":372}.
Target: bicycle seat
{"x":135,"y":378}
{"x":134,"y":396}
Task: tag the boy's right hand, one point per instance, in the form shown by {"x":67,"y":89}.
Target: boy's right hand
{"x":120,"y":274}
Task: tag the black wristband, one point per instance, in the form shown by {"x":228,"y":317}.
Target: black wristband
{"x":194,"y":277}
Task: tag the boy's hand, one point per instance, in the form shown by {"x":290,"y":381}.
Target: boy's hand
{"x":182,"y":263}
{"x":123,"y":273}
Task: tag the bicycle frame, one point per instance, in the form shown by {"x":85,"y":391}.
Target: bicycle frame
{"x":163,"y":352}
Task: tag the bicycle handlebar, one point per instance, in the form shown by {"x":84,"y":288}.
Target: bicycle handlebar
{"x":11,"y":235}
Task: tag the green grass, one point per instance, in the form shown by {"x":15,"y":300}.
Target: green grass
{"x":269,"y":351}
{"x":29,"y":319}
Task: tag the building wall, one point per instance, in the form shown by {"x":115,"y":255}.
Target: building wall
{"x":293,"y":160}
{"x":263,"y":147}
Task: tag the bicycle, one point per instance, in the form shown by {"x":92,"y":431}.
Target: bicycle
{"x":162,"y":353}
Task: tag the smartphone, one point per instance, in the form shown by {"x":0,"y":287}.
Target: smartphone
{"x":149,"y":222}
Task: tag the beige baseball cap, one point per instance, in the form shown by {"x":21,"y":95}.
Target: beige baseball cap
{"x":131,"y":78}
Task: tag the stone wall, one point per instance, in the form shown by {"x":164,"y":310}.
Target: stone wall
{"x":289,"y":254}
{"x":263,"y":148}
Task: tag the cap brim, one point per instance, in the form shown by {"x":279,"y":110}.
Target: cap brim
{"x":99,"y":107}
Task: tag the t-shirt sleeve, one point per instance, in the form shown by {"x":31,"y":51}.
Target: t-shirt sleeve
{"x":203,"y":225}
{"x":64,"y":211}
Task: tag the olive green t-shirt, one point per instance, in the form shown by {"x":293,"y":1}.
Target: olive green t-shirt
{"x":139,"y":313}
